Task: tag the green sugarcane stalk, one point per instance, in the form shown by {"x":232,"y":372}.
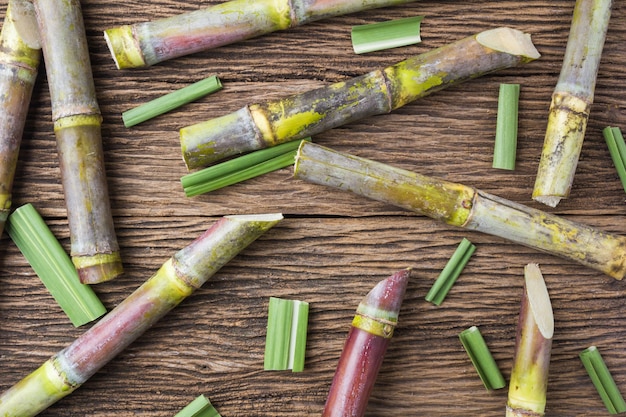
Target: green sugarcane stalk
{"x":77,"y":121}
{"x":535,"y":328}
{"x":464,"y":206}
{"x":301,"y":115}
{"x":571,"y":101}
{"x":148,"y":43}
{"x":178,"y":278}
{"x":363,"y":352}
{"x":19,"y":58}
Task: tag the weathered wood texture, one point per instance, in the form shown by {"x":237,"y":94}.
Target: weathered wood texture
{"x":332,"y":247}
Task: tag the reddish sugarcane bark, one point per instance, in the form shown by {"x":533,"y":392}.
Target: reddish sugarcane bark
{"x":365,"y":347}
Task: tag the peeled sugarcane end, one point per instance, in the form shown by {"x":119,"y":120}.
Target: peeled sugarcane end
{"x":548,"y":200}
{"x":124,"y":48}
{"x":23,"y":14}
{"x":539,"y":300}
{"x":509,"y":40}
{"x":94,"y":269}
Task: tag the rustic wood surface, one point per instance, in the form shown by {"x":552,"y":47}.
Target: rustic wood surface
{"x":332,"y":247}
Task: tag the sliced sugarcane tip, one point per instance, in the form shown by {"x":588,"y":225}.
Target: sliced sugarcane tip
{"x":539,"y":300}
{"x":124,"y":48}
{"x":548,"y":200}
{"x":512,"y":41}
{"x":387,"y":295}
{"x":23,"y":13}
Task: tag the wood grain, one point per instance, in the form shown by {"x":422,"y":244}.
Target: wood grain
{"x":332,"y":246}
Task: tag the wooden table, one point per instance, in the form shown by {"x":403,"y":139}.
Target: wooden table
{"x":332,"y":247}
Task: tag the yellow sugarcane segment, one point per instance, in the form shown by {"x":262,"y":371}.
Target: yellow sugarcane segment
{"x":78,"y":120}
{"x":33,"y":393}
{"x":124,"y":47}
{"x":378,"y":327}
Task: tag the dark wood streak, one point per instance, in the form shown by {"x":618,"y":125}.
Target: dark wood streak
{"x":331,"y":244}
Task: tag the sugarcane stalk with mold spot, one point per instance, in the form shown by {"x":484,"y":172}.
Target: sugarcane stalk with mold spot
{"x":301,"y":115}
{"x":148,"y":43}
{"x":529,"y":377}
{"x":20,"y":53}
{"x":464,"y":206}
{"x":77,"y":126}
{"x":363,"y":352}
{"x":178,"y":278}
{"x":571,"y":101}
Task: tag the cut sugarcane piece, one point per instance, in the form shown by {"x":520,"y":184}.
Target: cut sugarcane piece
{"x":271,"y":123}
{"x":529,"y":377}
{"x":451,"y":272}
{"x":19,"y":42}
{"x":285,"y":345}
{"x":603,"y":380}
{"x":363,"y":352}
{"x":177,"y":279}
{"x":200,"y":407}
{"x":148,"y":43}
{"x":386,"y":35}
{"x":77,"y":127}
{"x":571,"y":101}
{"x":463,"y":206}
{"x":53,"y":266}
{"x":481,"y":358}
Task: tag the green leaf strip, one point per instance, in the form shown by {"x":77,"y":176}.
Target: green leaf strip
{"x":171,"y":101}
{"x":200,"y":407}
{"x":240,"y":169}
{"x":602,"y":379}
{"x":482,"y":359}
{"x":505,"y":147}
{"x":53,"y":266}
{"x":385,"y":35}
{"x":617,"y":148}
{"x":285,"y":343}
{"x":451,"y":272}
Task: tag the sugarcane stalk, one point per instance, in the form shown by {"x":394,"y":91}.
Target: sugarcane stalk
{"x":571,"y":101}
{"x":178,"y":278}
{"x":363,"y":352}
{"x":148,"y":43}
{"x":20,"y":53}
{"x":77,"y":126}
{"x":463,"y":206}
{"x":529,"y":377}
{"x":301,"y":115}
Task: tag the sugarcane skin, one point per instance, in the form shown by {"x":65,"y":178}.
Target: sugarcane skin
{"x":18,"y":72}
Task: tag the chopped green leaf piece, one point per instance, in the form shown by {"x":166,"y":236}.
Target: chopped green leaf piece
{"x":200,"y":407}
{"x":385,"y":35}
{"x":171,"y":101}
{"x":240,"y":169}
{"x":53,"y":266}
{"x":450,"y":272}
{"x":482,"y":359}
{"x":285,"y":343}
{"x":617,"y":148}
{"x":505,"y":148}
{"x":602,"y":379}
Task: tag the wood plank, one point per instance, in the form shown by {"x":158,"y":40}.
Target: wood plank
{"x":332,"y":246}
